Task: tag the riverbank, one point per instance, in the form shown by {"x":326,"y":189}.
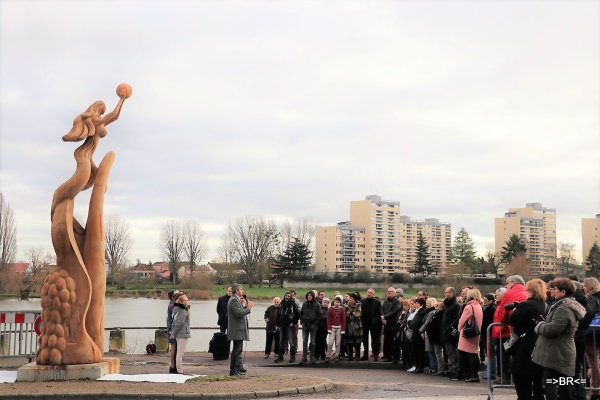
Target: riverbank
{"x":260,"y":294}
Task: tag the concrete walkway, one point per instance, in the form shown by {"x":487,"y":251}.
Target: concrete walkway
{"x":348,"y":380}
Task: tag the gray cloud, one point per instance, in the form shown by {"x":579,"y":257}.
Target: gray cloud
{"x":460,"y":110}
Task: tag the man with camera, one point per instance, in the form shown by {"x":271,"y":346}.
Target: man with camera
{"x":287,"y":317}
{"x":515,"y":293}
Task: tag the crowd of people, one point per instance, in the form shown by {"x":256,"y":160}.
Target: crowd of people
{"x":546,"y":332}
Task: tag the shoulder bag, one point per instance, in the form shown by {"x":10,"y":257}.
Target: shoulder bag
{"x":470,"y":329}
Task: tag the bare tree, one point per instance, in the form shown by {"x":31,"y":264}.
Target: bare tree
{"x":172,"y":245}
{"x":38,"y":259}
{"x":227,"y":250}
{"x":493,"y":259}
{"x":303,"y":229}
{"x":117,"y":244}
{"x":252,"y":238}
{"x":8,"y":234}
{"x":194,"y":243}
{"x":567,"y":260}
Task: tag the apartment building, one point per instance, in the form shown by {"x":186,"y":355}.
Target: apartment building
{"x":536,"y":226}
{"x":590,"y":227}
{"x":376,"y":240}
{"x":438,"y":236}
{"x":340,"y":248}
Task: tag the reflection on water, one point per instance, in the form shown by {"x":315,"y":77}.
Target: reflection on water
{"x":153,"y":313}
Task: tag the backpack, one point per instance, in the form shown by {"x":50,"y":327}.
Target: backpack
{"x":150,"y":349}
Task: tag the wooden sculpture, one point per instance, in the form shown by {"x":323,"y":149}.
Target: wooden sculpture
{"x":73,"y":292}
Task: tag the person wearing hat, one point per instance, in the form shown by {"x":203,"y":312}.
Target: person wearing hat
{"x":310,"y":314}
{"x":172,"y":341}
{"x":354,"y":328}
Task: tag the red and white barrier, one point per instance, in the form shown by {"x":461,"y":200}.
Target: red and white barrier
{"x":17,"y":318}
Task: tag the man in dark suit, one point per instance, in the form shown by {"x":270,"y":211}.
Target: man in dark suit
{"x":371,"y":320}
{"x":237,"y":326}
{"x":222,"y":310}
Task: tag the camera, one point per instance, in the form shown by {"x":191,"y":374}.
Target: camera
{"x":511,"y":306}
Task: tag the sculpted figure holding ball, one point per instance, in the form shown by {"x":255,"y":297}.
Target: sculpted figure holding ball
{"x":72,"y":295}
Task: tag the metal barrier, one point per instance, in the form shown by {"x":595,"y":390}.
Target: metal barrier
{"x":503,"y":357}
{"x":17,"y":334}
{"x":500,"y":355}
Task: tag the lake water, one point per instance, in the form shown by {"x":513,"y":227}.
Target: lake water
{"x":144,"y":312}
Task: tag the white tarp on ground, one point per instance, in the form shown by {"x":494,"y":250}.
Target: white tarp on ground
{"x":11,"y":376}
{"x":8,"y":376}
{"x":162,"y":378}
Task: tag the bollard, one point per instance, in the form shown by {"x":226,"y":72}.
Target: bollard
{"x":160,"y":340}
{"x":116,"y":341}
{"x":4,"y":341}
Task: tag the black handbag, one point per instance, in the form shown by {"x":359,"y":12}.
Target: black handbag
{"x":470,"y":329}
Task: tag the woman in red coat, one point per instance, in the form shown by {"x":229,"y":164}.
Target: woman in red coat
{"x":468,"y":347}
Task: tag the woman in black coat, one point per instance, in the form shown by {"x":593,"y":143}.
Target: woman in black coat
{"x":527,"y":376}
{"x":489,"y":308}
{"x":591,"y":287}
{"x":417,"y":341}
{"x":271,"y":314}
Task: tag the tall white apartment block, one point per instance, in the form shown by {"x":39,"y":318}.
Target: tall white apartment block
{"x":377,"y":240}
{"x":536,"y":226}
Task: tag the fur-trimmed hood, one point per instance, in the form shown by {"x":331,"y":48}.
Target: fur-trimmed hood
{"x":572,"y":304}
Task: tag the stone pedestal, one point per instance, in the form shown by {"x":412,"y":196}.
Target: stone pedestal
{"x":116,"y":341}
{"x":42,"y":373}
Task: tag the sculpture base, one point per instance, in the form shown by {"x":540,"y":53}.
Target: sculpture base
{"x":42,"y":373}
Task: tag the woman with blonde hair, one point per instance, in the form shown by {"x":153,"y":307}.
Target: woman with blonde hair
{"x":468,"y":347}
{"x":527,"y":376}
{"x":433,"y":345}
{"x":591,"y":288}
{"x":180,"y":328}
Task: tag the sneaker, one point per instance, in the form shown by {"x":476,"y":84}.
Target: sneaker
{"x":279,"y":359}
{"x":441,"y":373}
{"x":302,"y":361}
{"x":472,"y":380}
{"x":454,"y":378}
{"x":364,"y":358}
{"x":266,"y":356}
{"x":292,"y":360}
{"x":312,"y":360}
{"x":242,"y":369}
{"x":413,"y":369}
{"x":375,"y":358}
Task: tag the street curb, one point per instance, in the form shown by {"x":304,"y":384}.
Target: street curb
{"x":321,"y":387}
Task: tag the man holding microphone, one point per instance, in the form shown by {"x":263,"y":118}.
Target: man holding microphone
{"x":237,"y":326}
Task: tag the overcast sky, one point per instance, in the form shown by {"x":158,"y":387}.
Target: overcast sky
{"x":459,"y":110}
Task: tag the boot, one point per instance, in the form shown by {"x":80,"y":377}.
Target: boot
{"x":302,"y":360}
{"x":292,"y":359}
{"x":357,"y":348}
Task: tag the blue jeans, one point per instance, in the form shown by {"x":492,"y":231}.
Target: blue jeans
{"x":234,"y":365}
{"x":313,"y":334}
{"x":290,"y":331}
{"x":432,"y":360}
